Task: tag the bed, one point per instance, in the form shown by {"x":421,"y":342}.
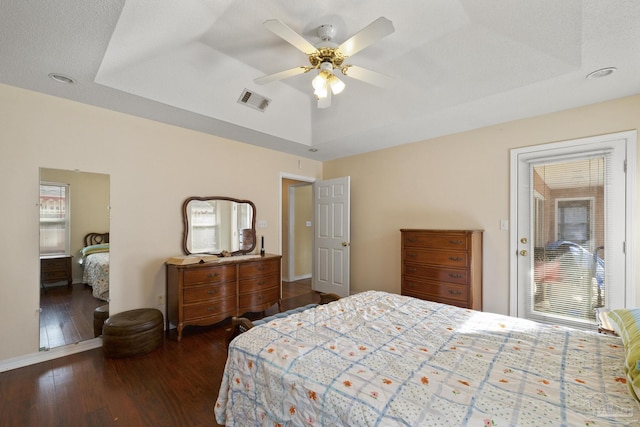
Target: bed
{"x":381,"y":359}
{"x":94,"y":259}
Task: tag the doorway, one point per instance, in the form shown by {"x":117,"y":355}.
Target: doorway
{"x":297,"y":229}
{"x":571,"y":207}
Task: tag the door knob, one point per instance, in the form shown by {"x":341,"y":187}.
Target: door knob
{"x":345,"y":244}
{"x":523,"y":252}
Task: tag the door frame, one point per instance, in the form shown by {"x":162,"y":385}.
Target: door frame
{"x":630,"y":195}
{"x":308,"y":179}
{"x":291,"y":274}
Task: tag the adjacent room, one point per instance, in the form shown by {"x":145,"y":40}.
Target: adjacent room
{"x":421,"y":197}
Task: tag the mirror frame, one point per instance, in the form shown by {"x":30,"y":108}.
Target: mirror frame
{"x":185,"y":222}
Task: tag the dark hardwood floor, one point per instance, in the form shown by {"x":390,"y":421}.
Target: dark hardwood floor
{"x":175,"y":385}
{"x":67,"y":314}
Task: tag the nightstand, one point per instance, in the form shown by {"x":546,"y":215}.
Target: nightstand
{"x":56,"y":268}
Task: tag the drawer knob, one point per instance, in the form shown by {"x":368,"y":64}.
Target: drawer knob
{"x":455,"y":242}
{"x":261,"y":282}
{"x":412,"y":239}
{"x":455,"y":259}
{"x":454,"y":292}
{"x":412,"y":254}
{"x":260,"y":267}
{"x":213,"y":291}
{"x":455,"y":276}
{"x":212,"y":275}
{"x":214,"y":308}
{"x":412,"y":269}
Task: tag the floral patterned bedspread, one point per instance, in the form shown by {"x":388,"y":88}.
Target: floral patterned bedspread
{"x":380,"y":359}
{"x":96,"y":274}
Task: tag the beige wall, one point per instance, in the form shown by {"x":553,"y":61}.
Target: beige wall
{"x":153,"y":167}
{"x":456,"y":181}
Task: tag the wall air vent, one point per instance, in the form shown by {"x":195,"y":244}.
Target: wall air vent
{"x":254,"y":100}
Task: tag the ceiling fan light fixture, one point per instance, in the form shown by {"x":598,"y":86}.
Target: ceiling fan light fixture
{"x":337,"y":85}
{"x":319,"y":81}
{"x":321,"y":92}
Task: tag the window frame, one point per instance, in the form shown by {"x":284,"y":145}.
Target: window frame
{"x":66,"y":220}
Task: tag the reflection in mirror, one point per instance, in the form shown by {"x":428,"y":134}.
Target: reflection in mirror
{"x":216,"y":224}
{"x":72,"y":205}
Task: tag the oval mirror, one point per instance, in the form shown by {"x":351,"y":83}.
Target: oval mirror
{"x":216,"y":224}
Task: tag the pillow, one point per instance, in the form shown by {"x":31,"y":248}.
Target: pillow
{"x":626,"y":323}
{"x":93,"y":249}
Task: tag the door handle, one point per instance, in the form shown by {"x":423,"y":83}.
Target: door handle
{"x":345,"y":244}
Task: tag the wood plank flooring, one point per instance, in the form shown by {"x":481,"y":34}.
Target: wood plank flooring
{"x":67,"y":314}
{"x":175,"y":385}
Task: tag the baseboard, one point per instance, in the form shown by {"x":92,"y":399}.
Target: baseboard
{"x":54,"y":353}
{"x":304,"y":276}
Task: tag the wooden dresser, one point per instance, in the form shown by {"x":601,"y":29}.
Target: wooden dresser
{"x":443,"y":266}
{"x":204,"y":294}
{"x":55,"y":269}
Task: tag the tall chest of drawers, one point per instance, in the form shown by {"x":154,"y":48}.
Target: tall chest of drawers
{"x":443,"y":266}
{"x":204,"y":294}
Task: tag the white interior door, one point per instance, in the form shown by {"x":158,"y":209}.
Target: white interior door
{"x":570,"y":211}
{"x":331,"y":237}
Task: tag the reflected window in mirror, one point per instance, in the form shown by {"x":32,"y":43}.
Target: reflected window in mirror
{"x":217,"y":224}
{"x":54,"y":219}
{"x":203,"y":217}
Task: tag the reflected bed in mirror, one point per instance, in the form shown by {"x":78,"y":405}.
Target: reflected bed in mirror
{"x":213,"y":225}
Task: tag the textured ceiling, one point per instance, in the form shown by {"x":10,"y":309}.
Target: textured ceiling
{"x":456,"y":65}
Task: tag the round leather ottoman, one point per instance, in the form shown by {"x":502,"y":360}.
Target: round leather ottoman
{"x":100,"y":314}
{"x":132,"y":332}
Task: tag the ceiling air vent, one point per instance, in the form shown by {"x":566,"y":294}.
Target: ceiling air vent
{"x":253,"y":100}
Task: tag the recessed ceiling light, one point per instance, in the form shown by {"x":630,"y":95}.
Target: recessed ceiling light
{"x":603,"y":72}
{"x":61,"y":78}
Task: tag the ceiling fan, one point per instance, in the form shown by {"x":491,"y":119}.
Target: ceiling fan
{"x":328,"y":57}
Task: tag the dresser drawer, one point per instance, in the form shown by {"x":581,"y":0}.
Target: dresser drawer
{"x":441,"y":274}
{"x":55,"y":263}
{"x":447,"y":241}
{"x":259,"y":268}
{"x":255,"y":301}
{"x":194,"y":294}
{"x":450,"y":259}
{"x":215,"y":274}
{"x":53,"y":275}
{"x":436,"y":291}
{"x":219,"y":308}
{"x":258,"y":283}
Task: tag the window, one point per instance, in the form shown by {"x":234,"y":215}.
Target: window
{"x":575,"y":219}
{"x":569,"y":263}
{"x":54,"y":219}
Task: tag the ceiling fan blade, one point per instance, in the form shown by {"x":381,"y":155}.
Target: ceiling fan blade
{"x":283,"y":31}
{"x":326,"y":101}
{"x":370,"y":34}
{"x":368,"y":76}
{"x":280,"y":75}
